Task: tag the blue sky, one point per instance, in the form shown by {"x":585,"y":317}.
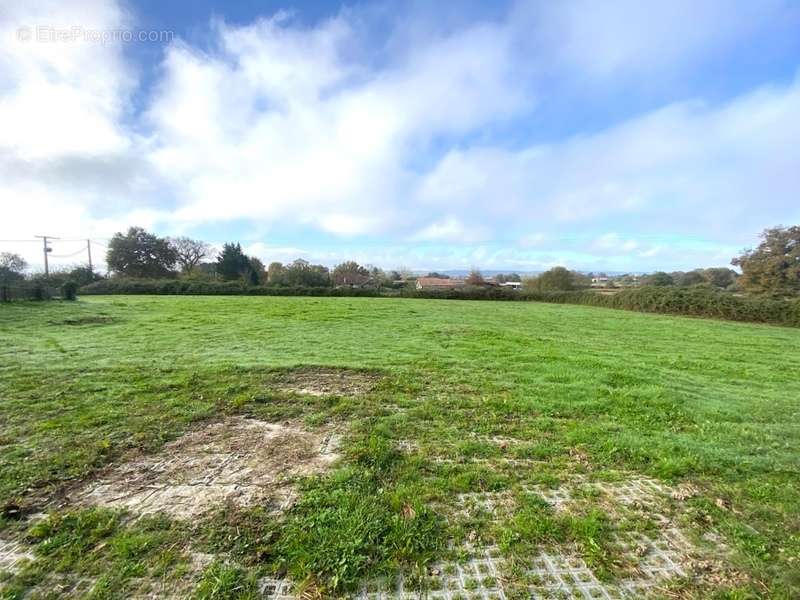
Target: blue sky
{"x":621,"y":136}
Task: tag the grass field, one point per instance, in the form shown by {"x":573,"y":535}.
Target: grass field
{"x":482,"y":415}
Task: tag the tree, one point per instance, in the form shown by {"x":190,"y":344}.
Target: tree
{"x":435,"y":275}
{"x":138,"y":253}
{"x":302,"y":273}
{"x":774,"y":266}
{"x":12,"y":267}
{"x":232,"y":263}
{"x":189,"y":252}
{"x":256,"y":273}
{"x":691,"y":278}
{"x":474,"y":278}
{"x":350,"y":273}
{"x":720,"y":277}
{"x":82,"y":276}
{"x":503,"y":277}
{"x":659,"y":279}
{"x":276,"y":274}
{"x":557,"y":279}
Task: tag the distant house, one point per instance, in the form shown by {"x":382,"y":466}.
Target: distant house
{"x":436,"y":283}
{"x":600,"y":281}
{"x":514,"y":285}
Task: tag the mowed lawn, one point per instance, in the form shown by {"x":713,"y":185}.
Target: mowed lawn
{"x":574,"y":391}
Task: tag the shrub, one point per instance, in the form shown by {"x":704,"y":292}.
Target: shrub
{"x":69,"y":290}
{"x":216,"y":288}
{"x":38,"y":292}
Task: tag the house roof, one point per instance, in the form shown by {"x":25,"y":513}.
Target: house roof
{"x":439,"y":282}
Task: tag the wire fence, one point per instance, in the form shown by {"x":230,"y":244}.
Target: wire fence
{"x":29,"y":291}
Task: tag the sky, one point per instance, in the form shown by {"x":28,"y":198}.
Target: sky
{"x":513,"y":135}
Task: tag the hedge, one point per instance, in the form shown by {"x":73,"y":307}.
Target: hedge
{"x":698,"y":301}
{"x":211,"y":288}
{"x":692,"y":301}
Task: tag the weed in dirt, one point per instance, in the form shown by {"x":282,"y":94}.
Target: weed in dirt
{"x":222,"y":581}
{"x":348,"y":526}
{"x":95,"y":550}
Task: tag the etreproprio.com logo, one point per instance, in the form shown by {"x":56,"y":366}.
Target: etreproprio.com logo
{"x":47,"y":33}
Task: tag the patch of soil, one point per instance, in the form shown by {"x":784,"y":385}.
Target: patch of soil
{"x":240,"y":461}
{"x":327,"y":382}
{"x":87,"y":320}
{"x":12,"y":554}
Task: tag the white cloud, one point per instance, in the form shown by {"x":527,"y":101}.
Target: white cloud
{"x":268,"y":124}
{"x":450,"y":229}
{"x":721,"y":171}
{"x":61,"y":97}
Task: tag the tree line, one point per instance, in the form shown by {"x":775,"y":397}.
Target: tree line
{"x":772,"y":268}
{"x":140,"y":254}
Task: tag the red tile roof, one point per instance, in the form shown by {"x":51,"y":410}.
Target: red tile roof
{"x":438,"y":282}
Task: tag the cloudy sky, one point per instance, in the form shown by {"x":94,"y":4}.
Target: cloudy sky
{"x":615,"y":135}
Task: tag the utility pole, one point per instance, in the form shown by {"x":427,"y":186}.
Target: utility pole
{"x":46,"y":250}
{"x":89,"y":250}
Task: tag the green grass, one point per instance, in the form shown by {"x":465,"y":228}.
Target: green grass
{"x":682,"y":400}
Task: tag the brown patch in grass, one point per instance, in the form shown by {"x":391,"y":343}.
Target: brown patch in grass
{"x":327,"y":382}
{"x":87,"y":320}
{"x":239,"y":461}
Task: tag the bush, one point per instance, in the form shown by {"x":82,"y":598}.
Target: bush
{"x":38,"y":291}
{"x":69,"y":291}
{"x":213,"y":288}
{"x":698,"y":301}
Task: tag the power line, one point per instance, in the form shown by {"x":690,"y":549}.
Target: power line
{"x":81,"y":251}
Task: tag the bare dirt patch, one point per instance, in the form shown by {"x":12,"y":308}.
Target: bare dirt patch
{"x":85,"y":320}
{"x":240,"y":461}
{"x":327,"y":382}
{"x":13,"y":554}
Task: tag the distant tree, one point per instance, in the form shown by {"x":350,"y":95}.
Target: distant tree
{"x":474,"y":278}
{"x":774,"y":266}
{"x":691,"y":278}
{"x":580,"y":280}
{"x":379,"y":278}
{"x":438,"y":275}
{"x":82,"y":276}
{"x":556,"y":279}
{"x":659,"y":279}
{"x":189,"y":252}
{"x":506,"y":277}
{"x":303,"y":273}
{"x":205,"y":270}
{"x":138,"y":253}
{"x":394,"y":276}
{"x":232,"y":263}
{"x":12,"y":267}
{"x":256,"y":272}
{"x":350,"y":273}
{"x":720,"y":277}
{"x":276,"y":274}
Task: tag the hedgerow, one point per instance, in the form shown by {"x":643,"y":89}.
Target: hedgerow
{"x":697,"y":301}
{"x":212,"y":288}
